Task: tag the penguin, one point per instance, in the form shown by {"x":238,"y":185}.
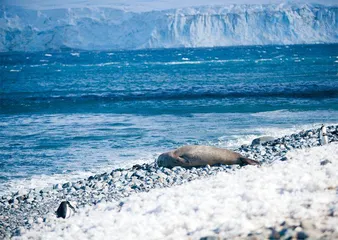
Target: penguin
{"x":323,"y":135}
{"x":65,"y":210}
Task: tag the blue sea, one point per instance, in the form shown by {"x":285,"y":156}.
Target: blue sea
{"x":65,"y":115}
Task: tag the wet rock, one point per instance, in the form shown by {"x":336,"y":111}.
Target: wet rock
{"x":210,"y":238}
{"x":57,"y":186}
{"x":262,"y":140}
{"x":140,"y":174}
{"x":274,"y":234}
{"x":137,"y":167}
{"x":128,"y":175}
{"x":302,"y":235}
{"x":77,"y":186}
{"x":66,"y":185}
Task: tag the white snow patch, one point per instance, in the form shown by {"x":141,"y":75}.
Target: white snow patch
{"x":229,"y":204}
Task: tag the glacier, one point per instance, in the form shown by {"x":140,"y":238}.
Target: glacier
{"x":105,"y":28}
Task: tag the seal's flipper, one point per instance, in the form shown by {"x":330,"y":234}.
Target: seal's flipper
{"x":248,"y":161}
{"x":184,"y":161}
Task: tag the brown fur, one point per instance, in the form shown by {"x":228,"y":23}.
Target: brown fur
{"x":198,"y":155}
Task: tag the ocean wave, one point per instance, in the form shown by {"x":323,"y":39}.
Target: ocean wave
{"x":274,"y":60}
{"x":100,"y":64}
{"x":196,"y":62}
{"x":211,"y":92}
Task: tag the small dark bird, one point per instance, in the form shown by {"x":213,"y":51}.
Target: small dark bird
{"x":65,"y":210}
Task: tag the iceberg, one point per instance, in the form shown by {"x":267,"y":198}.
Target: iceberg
{"x":105,"y":28}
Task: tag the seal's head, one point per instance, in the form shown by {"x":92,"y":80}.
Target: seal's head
{"x":167,"y":159}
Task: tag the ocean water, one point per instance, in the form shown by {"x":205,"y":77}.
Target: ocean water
{"x":66,"y":115}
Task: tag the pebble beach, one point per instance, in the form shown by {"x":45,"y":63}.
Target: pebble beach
{"x":293,"y":194}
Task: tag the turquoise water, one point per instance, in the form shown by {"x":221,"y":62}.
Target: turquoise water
{"x":68,"y":114}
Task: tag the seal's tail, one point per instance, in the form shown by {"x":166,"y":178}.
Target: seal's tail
{"x":248,"y":161}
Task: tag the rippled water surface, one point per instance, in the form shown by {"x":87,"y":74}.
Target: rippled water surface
{"x":65,"y":115}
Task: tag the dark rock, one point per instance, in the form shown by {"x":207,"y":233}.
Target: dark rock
{"x":66,"y":185}
{"x":274,"y":234}
{"x":324,"y":162}
{"x":302,"y":235}
{"x":137,"y":167}
{"x":210,"y":238}
{"x":262,"y":140}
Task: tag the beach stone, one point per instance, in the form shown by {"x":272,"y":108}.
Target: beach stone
{"x":274,"y":234}
{"x":286,"y":233}
{"x":140,"y":174}
{"x":262,"y":140}
{"x":77,"y":186}
{"x":137,"y":167}
{"x":66,"y":185}
{"x":116,"y":174}
{"x":302,"y":235}
{"x":210,"y":238}
{"x":128,"y":175}
{"x":161,"y":174}
{"x":307,"y":225}
{"x":57,"y":186}
{"x":324,"y":162}
{"x":178,"y":169}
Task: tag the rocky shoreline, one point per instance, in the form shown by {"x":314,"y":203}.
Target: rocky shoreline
{"x":21,"y":210}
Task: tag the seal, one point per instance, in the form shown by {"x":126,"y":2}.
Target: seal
{"x":199,"y":155}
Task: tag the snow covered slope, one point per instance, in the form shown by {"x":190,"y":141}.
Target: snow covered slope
{"x":108,"y":28}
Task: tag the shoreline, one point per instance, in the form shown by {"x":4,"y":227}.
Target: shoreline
{"x":21,"y":211}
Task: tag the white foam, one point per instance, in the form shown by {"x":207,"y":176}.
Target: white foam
{"x":195,"y":62}
{"x":100,"y":64}
{"x":47,"y":181}
{"x":263,"y":60}
{"x":276,"y":132}
{"x":227,"y":204}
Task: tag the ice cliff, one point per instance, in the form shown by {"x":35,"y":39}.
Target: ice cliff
{"x":92,"y":28}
